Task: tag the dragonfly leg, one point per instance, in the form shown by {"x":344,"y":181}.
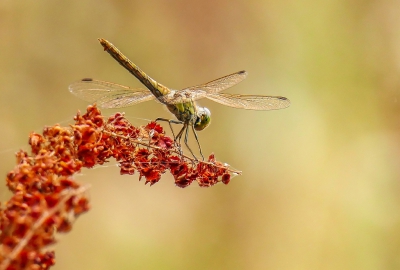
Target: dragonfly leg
{"x":170,"y":121}
{"x":179,"y":137}
{"x":186,"y":141}
{"x":197,"y":140}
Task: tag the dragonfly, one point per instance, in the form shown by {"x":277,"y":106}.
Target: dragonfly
{"x":181,"y":103}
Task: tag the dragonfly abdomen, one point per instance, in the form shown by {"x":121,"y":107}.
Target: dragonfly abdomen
{"x":156,"y":88}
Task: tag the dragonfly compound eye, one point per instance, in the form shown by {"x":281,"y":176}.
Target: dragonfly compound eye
{"x":203,"y":119}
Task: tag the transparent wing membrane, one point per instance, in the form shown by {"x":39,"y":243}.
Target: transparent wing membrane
{"x":109,"y":95}
{"x":220,"y":84}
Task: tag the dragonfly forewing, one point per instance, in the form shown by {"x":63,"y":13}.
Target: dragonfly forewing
{"x":220,"y":84}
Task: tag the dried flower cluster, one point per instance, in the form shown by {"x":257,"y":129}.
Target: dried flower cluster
{"x":46,"y":198}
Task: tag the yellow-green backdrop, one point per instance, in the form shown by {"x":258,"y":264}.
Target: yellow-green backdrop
{"x":320,"y":186}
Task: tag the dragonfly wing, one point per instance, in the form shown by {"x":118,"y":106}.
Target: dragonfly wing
{"x":251,"y":102}
{"x":109,"y":95}
{"x":220,"y":84}
{"x":200,"y":91}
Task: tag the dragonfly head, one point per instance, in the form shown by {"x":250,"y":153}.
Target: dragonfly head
{"x":203,"y":118}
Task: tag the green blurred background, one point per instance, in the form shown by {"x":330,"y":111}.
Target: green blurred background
{"x":320,"y":186}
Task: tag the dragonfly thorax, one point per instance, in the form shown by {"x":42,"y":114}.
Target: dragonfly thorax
{"x":203,"y":118}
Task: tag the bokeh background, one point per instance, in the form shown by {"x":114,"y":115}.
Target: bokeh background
{"x":320,"y":186}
